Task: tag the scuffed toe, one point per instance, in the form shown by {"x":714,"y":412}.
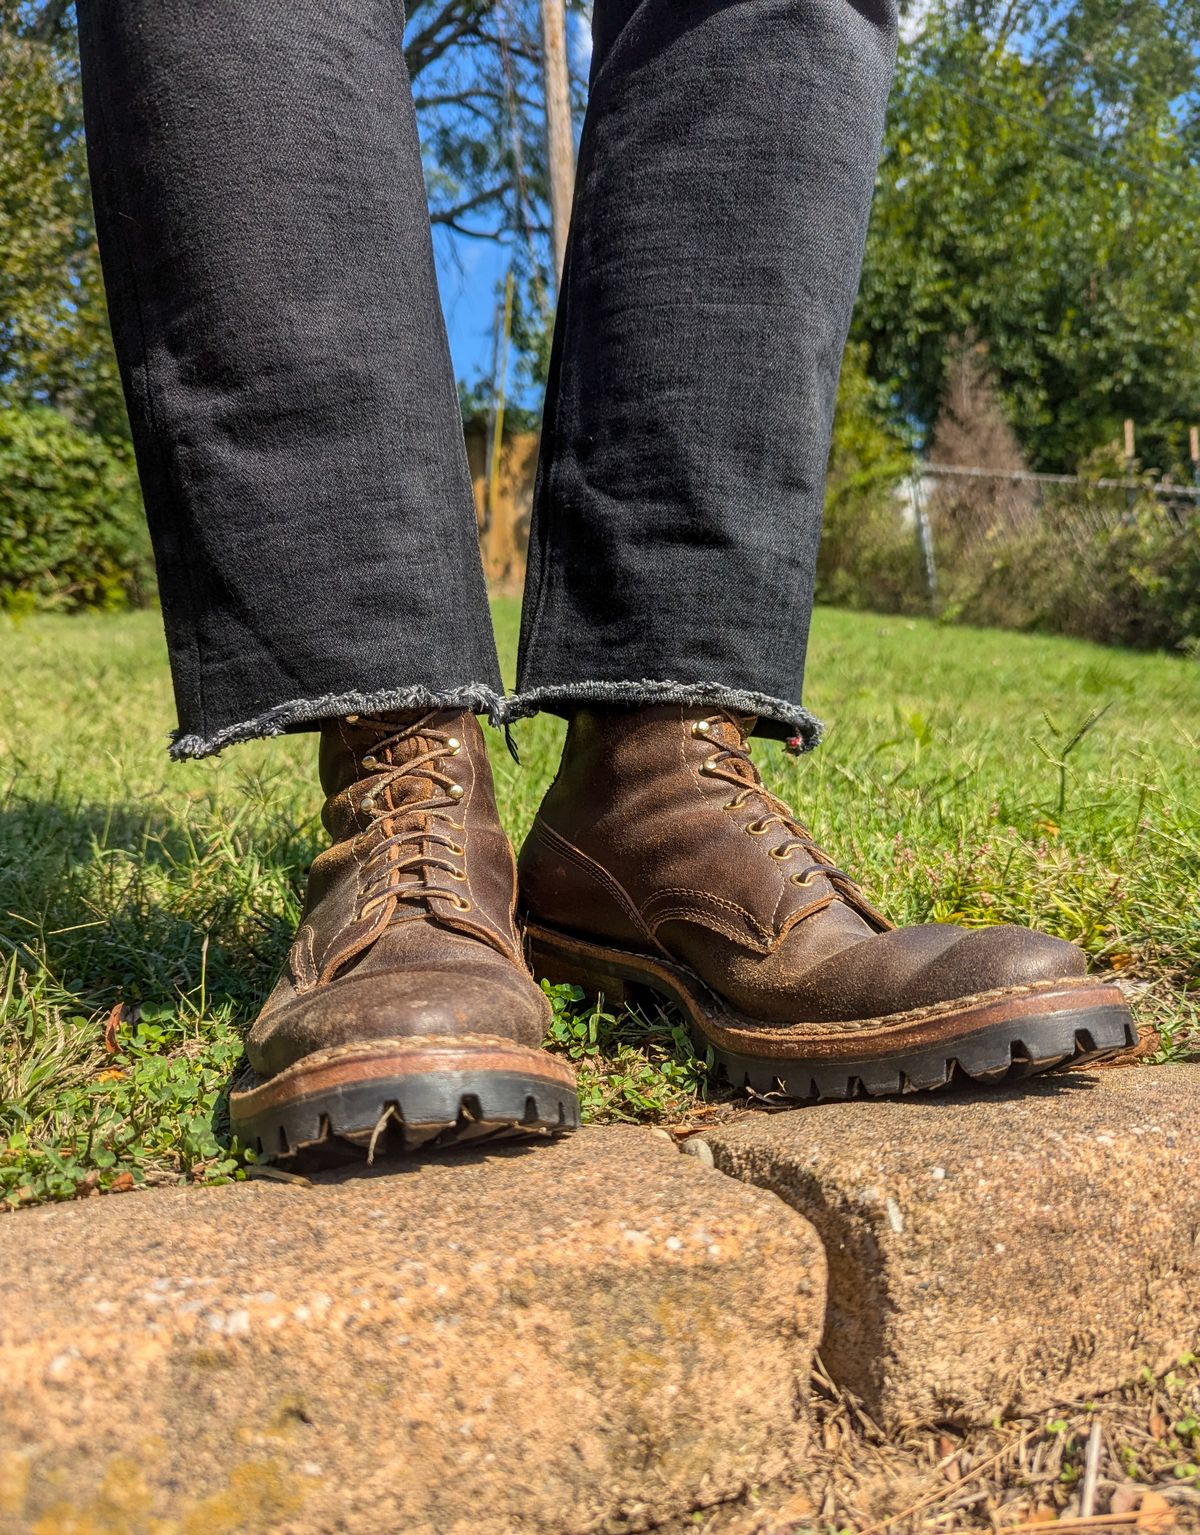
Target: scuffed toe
{"x":999,"y":958}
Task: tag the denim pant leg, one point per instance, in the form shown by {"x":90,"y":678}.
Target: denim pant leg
{"x":725,"y":177}
{"x":267,"y":252}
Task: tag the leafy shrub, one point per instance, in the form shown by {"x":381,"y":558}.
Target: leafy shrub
{"x":1145,"y":587}
{"x":72,"y":533}
{"x":868,"y":556}
{"x":1077,"y":559}
{"x":1063,"y":571}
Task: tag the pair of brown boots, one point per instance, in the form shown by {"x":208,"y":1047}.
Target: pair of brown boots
{"x":407,"y":1013}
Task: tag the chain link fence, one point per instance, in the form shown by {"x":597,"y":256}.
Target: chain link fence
{"x":1109,"y":559}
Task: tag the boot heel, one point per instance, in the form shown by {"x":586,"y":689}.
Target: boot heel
{"x":555,"y":960}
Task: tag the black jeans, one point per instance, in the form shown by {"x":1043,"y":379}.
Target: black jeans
{"x":261,"y":210}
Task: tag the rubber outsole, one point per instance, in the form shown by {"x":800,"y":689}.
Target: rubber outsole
{"x":1001,"y":1054}
{"x":992,"y":1038}
{"x":372,"y":1105}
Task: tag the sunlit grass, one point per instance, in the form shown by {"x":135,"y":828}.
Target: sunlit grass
{"x":145,"y":907}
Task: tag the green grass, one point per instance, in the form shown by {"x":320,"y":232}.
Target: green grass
{"x":145,"y":907}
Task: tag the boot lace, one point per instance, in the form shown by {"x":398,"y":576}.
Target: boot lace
{"x":733,"y":764}
{"x":405,"y":859}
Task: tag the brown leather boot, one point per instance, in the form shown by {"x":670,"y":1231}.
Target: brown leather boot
{"x":406,"y":1014}
{"x":658,"y":859}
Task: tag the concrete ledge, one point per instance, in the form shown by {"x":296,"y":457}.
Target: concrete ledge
{"x":995,"y":1251}
{"x":597,"y":1333}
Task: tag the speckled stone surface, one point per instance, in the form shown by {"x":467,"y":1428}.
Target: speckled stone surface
{"x":597,"y":1333}
{"x":999,"y":1250}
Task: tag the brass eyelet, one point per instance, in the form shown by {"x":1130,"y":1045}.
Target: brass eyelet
{"x":755,"y":829}
{"x":780,"y":855}
{"x":456,"y":792}
{"x":706,"y":769}
{"x":370,"y":761}
{"x":455,"y":850}
{"x":702,"y":728}
{"x":351,"y":719}
{"x":454,"y":746}
{"x":460,"y":904}
{"x":458,"y":875}
{"x":804,"y":880}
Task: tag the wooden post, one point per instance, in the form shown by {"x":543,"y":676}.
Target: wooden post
{"x":1194,"y":452}
{"x":499,"y":390}
{"x":924,"y":536}
{"x":560,"y":135}
{"x":1130,"y":492}
{"x":485,"y":512}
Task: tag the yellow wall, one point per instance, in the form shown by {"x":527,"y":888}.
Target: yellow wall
{"x":504,"y":529}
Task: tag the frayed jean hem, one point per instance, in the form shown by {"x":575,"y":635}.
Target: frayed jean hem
{"x":303,"y":712}
{"x":777,"y":717}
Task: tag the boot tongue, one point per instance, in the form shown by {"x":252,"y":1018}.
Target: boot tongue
{"x":345,"y":743}
{"x":731,"y":729}
{"x":745,"y":725}
{"x":410,"y":788}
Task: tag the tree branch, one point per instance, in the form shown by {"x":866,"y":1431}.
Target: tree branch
{"x":470,"y":97}
{"x":468,"y":205}
{"x":461,"y":229}
{"x":528,"y":55}
{"x":456,"y":20}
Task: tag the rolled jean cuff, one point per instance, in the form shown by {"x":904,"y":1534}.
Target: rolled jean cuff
{"x":777,"y":718}
{"x":304,"y":713}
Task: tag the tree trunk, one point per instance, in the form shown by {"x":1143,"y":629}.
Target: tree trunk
{"x":560,"y":136}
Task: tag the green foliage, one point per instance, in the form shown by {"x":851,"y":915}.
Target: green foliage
{"x":55,"y":346}
{"x":632,"y":1064}
{"x":1146,"y":589}
{"x":1066,"y":559}
{"x":72,"y":533}
{"x":1038,"y":195}
{"x":1134,"y":582}
{"x":77,"y":1115}
{"x":955,"y":779}
{"x":71,"y":529}
{"x":475,"y":407}
{"x":868,"y":557}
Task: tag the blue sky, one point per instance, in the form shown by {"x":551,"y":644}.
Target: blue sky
{"x":470,"y":273}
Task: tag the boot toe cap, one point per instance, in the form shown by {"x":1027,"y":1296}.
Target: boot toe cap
{"x":1001,"y":958}
{"x":906,"y":969}
{"x":422,"y":1002}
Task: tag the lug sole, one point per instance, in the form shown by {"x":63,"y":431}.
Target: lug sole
{"x":401,"y":1096}
{"x":991,"y":1037}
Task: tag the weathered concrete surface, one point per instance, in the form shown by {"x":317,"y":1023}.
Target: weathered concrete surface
{"x":996,"y":1250}
{"x":598,"y":1333}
